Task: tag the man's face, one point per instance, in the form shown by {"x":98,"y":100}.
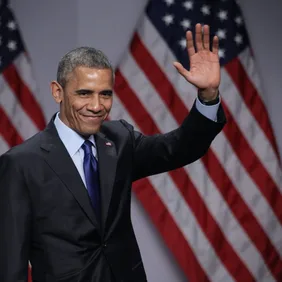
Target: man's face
{"x":86,"y":100}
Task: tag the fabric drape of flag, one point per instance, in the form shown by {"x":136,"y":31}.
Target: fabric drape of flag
{"x":20,"y":114}
{"x":221,"y":217}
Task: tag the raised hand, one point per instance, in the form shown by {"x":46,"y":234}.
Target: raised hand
{"x":204,"y":70}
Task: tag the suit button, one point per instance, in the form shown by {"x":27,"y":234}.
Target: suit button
{"x":104,"y":245}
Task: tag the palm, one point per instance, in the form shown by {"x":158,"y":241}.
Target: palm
{"x":204,"y":70}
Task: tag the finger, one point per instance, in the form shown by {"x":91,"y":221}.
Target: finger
{"x":215,"y":45}
{"x":181,"y":70}
{"x":199,"y":37}
{"x":190,"y":43}
{"x":206,"y":37}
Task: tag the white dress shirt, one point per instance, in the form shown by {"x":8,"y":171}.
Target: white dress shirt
{"x":208,"y":111}
{"x":73,"y":141}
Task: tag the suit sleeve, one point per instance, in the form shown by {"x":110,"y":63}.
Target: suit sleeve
{"x":163,"y":152}
{"x":15,"y":217}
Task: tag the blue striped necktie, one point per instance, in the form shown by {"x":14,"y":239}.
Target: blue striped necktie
{"x":90,"y":167}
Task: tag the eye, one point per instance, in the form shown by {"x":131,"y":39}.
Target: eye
{"x":83,"y":93}
{"x":106,"y":94}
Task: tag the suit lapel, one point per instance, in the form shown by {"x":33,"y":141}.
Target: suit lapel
{"x":107,"y":160}
{"x":60,"y":161}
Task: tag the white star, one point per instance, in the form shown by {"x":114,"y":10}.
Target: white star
{"x":205,"y":10}
{"x":221,"y":33}
{"x":12,"y":45}
{"x":11,"y":25}
{"x":186,"y":24}
{"x":182,"y":43}
{"x":169,"y":2}
{"x":238,"y":39}
{"x":168,"y":19}
{"x":222,"y":15}
{"x":238,"y":20}
{"x":188,"y":5}
{"x":221,"y":53}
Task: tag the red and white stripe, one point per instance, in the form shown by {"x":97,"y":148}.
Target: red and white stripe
{"x":3,"y":144}
{"x":20,"y":114}
{"x":220,"y":216}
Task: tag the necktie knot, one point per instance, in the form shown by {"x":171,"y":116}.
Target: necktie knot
{"x":87,"y":147}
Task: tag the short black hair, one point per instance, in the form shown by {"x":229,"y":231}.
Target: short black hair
{"x":81,"y":57}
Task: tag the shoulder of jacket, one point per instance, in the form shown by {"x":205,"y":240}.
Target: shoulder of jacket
{"x":117,"y":125}
{"x":26,"y":149}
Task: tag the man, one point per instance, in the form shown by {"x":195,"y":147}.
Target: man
{"x":65,"y":193}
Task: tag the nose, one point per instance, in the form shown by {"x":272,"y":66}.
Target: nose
{"x":95,"y":104}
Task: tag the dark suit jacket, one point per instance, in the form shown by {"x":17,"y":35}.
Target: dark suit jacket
{"x":46,"y":215}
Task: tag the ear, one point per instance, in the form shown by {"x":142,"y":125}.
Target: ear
{"x":57,"y":91}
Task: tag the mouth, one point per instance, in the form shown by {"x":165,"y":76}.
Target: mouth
{"x":97,"y":118}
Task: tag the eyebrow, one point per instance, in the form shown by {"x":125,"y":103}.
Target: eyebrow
{"x":88,"y":91}
{"x":107,"y":92}
{"x":83,"y":91}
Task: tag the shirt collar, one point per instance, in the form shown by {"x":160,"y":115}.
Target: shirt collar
{"x":72,"y":140}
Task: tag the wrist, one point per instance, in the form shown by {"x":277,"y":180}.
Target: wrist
{"x":208,"y":94}
{"x":212,"y":100}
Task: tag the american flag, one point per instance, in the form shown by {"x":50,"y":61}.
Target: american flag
{"x":221,"y":217}
{"x":20,"y":113}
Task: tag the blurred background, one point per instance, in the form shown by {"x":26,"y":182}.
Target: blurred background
{"x":51,"y":28}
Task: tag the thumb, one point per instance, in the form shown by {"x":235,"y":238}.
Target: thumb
{"x":185,"y":73}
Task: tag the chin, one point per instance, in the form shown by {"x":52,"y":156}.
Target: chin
{"x":86,"y":132}
{"x":91,"y":131}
